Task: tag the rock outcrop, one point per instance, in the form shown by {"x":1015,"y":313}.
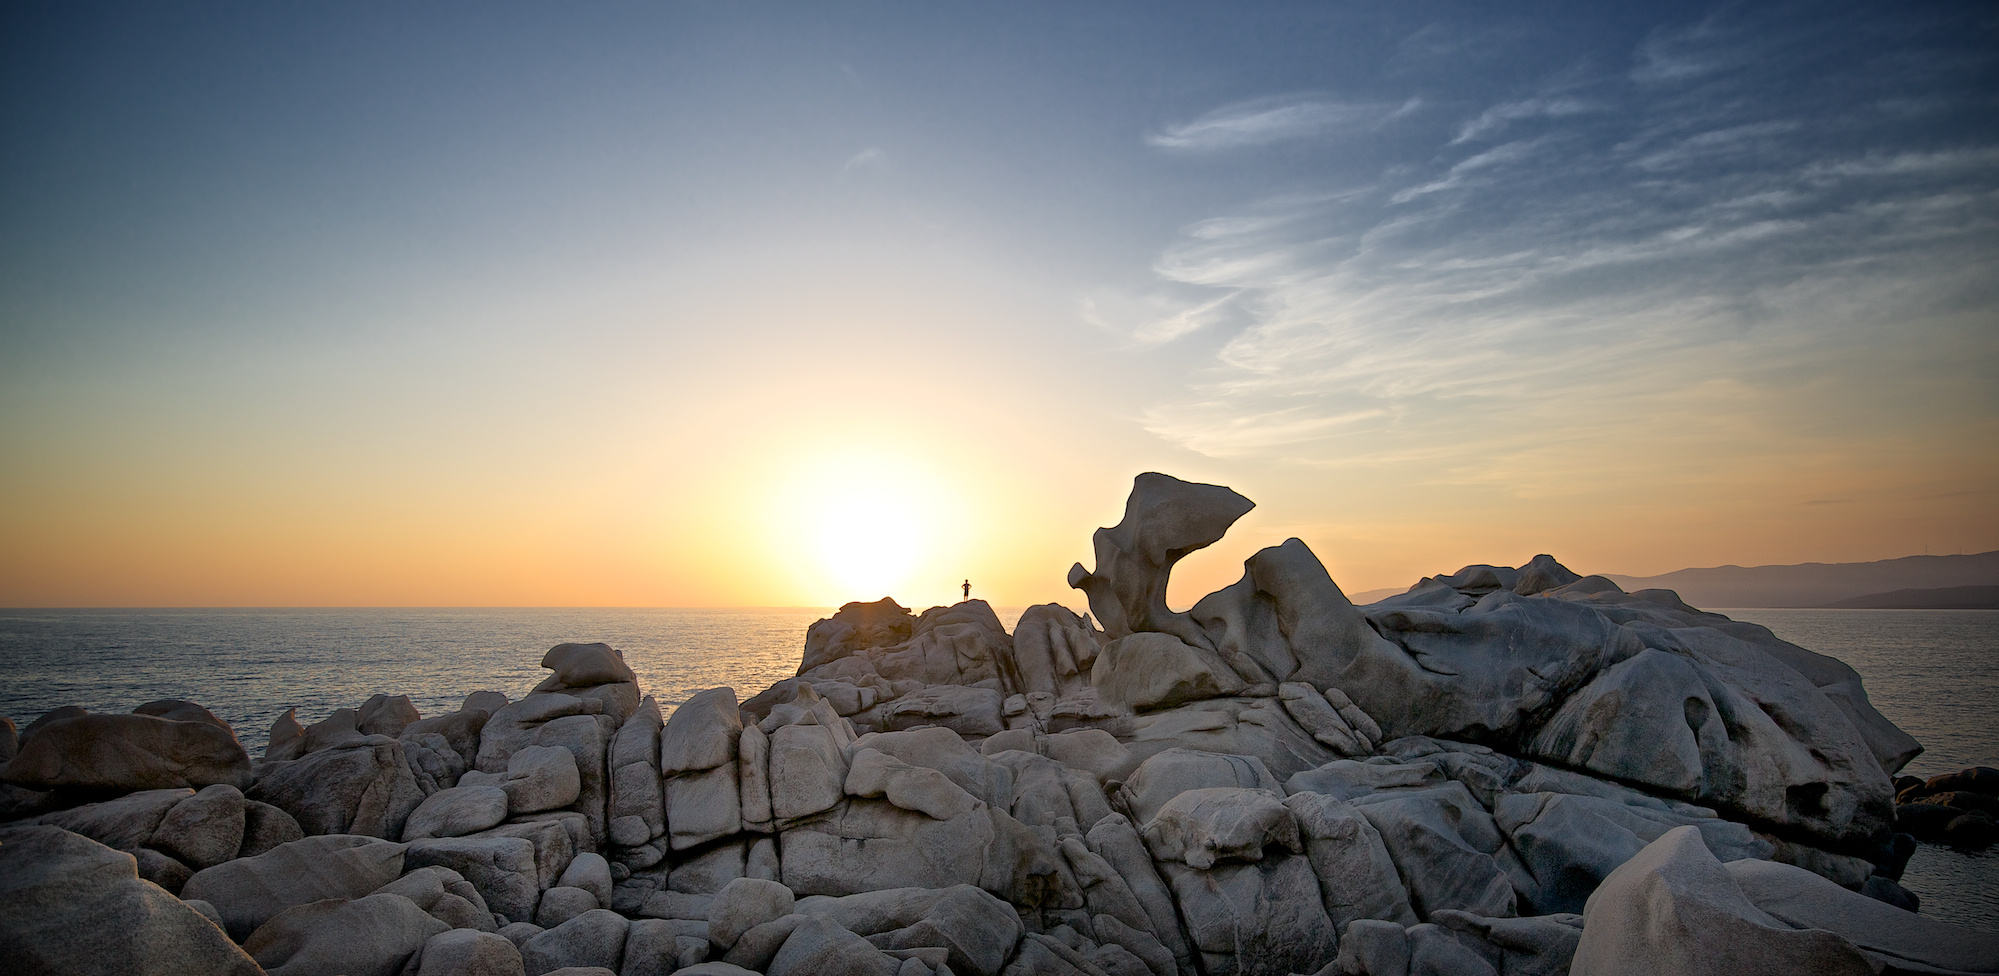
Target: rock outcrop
{"x":1503,"y":770}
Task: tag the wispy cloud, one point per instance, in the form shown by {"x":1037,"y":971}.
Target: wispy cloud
{"x":871,"y":156}
{"x":1641,"y":241}
{"x":1501,"y":115}
{"x":1276,"y":119}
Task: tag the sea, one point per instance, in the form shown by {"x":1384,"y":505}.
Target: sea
{"x":1935,"y":673}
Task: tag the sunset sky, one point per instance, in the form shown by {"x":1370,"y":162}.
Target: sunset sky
{"x":718,"y":304}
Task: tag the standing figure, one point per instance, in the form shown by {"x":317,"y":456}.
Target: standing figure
{"x":968,"y":589}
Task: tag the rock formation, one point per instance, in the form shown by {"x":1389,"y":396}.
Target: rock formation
{"x":1503,"y":770}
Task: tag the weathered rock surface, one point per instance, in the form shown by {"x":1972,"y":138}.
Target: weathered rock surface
{"x":362,"y":785}
{"x":1674,"y":908}
{"x":372,"y":936}
{"x":128,"y":752}
{"x":69,"y":905}
{"x":248,"y":891}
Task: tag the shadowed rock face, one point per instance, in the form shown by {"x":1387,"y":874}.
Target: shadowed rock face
{"x":1274,"y":782}
{"x":122,"y":753}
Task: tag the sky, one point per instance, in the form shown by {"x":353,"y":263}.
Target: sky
{"x":718,"y":304}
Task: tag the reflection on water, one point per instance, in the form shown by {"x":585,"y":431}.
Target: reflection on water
{"x":1935,"y":673}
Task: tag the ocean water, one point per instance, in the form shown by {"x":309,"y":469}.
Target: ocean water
{"x":1935,"y":673}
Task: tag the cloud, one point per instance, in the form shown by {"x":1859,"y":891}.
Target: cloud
{"x":1156,"y":317}
{"x":869,"y":157}
{"x":1501,"y":115}
{"x":1654,"y":254}
{"x":1276,"y":119}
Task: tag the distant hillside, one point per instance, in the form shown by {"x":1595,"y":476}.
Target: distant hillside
{"x":1820,"y":584}
{"x":1946,"y":598}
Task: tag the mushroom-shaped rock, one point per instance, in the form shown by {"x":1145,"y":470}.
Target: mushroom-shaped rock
{"x":74,"y":907}
{"x":1164,"y":520}
{"x":248,"y":891}
{"x":1200,"y":827}
{"x":372,"y":936}
{"x":128,"y":752}
{"x":584,"y":665}
{"x":386,"y":715}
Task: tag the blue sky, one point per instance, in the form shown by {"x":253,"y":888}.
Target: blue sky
{"x":305,"y":291}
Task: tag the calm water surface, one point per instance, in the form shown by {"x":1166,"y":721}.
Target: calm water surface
{"x":1935,"y":673}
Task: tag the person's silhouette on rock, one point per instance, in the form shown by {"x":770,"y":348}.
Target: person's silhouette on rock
{"x":968,"y":589}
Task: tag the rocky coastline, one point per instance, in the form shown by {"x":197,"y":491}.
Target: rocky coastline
{"x":1501,"y":771}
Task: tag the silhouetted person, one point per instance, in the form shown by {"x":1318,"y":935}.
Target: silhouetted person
{"x":968,"y":589}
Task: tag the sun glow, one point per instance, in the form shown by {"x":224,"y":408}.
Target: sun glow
{"x":868,"y":527}
{"x":869,"y":540}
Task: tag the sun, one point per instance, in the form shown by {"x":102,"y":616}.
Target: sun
{"x":869,"y":539}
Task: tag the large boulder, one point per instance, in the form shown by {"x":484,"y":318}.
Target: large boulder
{"x":1263,"y":918}
{"x":463,"y":952}
{"x":205,"y":829}
{"x":965,"y":710}
{"x":1356,"y":874}
{"x":446,"y":895}
{"x":1200,"y":827}
{"x":1053,"y":650}
{"x":976,"y":929}
{"x":69,"y":905}
{"x":361,"y":786}
{"x":1285,"y":620}
{"x":1445,"y":847}
{"x":248,"y":891}
{"x":372,"y":936}
{"x":594,"y":938}
{"x":503,"y":869}
{"x":460,"y":810}
{"x":123,"y":753}
{"x":1675,"y":908}
{"x":1147,"y":671}
{"x":865,"y":845}
{"x":125,"y":823}
{"x":595,"y":672}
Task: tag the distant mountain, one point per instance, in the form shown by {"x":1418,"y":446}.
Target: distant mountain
{"x":1946,"y":598}
{"x":1819,"y":584}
